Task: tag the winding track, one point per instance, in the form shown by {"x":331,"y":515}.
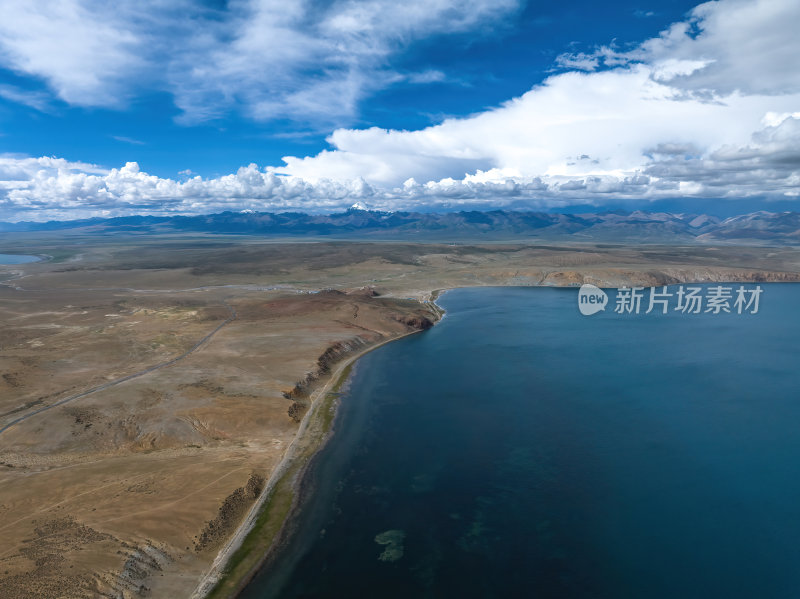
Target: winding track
{"x":128,"y":377}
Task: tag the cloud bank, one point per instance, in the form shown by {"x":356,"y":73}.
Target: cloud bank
{"x":710,"y":108}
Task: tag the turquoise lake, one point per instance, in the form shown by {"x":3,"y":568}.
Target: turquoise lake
{"x":520,"y":449}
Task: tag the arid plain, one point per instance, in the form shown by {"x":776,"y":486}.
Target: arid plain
{"x":201,"y":355}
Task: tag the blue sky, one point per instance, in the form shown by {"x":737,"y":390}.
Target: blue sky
{"x":189,"y":107}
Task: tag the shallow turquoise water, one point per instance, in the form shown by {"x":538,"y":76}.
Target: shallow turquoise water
{"x":17,"y":259}
{"x":524,"y":450}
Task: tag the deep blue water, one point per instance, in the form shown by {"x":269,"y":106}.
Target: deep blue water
{"x":524,"y":450}
{"x":17,"y":259}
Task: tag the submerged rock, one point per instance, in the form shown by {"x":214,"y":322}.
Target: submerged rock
{"x":393,"y":539}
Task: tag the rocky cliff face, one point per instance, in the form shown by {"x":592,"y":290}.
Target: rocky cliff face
{"x":416,"y":323}
{"x":418,"y":320}
{"x":326,"y":360}
{"x":230,"y":513}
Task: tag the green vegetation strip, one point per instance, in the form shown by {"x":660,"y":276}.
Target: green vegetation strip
{"x":327,"y":408}
{"x":278,"y":505}
{"x":257,"y":543}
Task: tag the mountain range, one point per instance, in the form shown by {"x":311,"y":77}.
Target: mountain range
{"x":622,"y":226}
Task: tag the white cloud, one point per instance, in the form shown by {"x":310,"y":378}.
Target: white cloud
{"x":613,"y":116}
{"x":34,"y":99}
{"x":752,"y":47}
{"x":769,"y":163}
{"x":302,"y":61}
{"x":747,"y":46}
{"x":271,"y":59}
{"x":79,"y":48}
{"x":429,"y":76}
{"x":49,"y":188}
{"x":578,"y":61}
{"x":128,"y":140}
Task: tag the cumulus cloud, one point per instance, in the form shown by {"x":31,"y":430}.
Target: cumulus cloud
{"x":770,"y":163}
{"x":50,"y":188}
{"x":614,"y":116}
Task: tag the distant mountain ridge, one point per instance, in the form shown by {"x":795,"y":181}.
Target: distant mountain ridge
{"x":757,"y":227}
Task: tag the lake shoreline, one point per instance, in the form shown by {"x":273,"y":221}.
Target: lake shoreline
{"x":262,"y":533}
